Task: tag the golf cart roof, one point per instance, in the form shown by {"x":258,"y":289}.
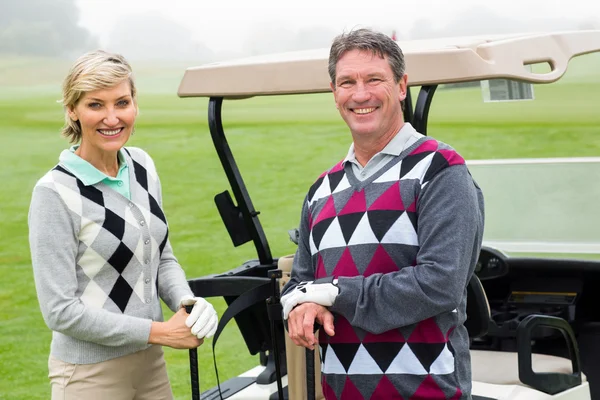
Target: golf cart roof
{"x":438,"y":61}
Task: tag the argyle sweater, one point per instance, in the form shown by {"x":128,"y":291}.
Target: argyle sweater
{"x":101,"y":262}
{"x":403,"y":245}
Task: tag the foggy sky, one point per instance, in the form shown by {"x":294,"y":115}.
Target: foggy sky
{"x":239,"y":28}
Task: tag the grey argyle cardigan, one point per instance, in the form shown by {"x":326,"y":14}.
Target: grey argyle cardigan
{"x":101,"y":262}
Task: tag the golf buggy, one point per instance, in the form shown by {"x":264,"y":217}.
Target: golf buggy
{"x":532,"y":312}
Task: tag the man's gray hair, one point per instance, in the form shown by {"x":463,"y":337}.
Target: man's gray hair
{"x":367,"y":40}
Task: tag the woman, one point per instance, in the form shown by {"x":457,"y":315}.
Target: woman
{"x":100,"y":250}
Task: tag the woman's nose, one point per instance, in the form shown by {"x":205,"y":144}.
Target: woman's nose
{"x":111,"y":118}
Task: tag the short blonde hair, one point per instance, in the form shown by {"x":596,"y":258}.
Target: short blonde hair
{"x":92,"y":71}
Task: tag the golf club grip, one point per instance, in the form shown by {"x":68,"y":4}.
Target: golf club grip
{"x":310,"y":374}
{"x":194,"y":367}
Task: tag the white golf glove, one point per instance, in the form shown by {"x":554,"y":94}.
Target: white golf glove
{"x":203,"y":319}
{"x":321,"y":291}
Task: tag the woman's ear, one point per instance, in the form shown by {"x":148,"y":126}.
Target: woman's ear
{"x":72,"y":114}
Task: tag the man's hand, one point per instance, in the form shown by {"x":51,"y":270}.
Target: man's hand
{"x":322,"y":291}
{"x":301,"y":323}
{"x":203,"y":319}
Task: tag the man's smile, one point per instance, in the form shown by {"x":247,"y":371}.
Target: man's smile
{"x":364,"y":110}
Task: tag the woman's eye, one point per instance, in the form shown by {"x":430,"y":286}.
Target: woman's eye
{"x":123,"y":103}
{"x":94,"y":105}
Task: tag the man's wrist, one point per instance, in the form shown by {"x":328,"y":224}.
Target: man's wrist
{"x":327,"y":279}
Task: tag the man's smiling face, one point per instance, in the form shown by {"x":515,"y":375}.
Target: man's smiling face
{"x":366,"y":94}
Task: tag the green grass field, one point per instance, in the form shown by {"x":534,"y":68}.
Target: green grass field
{"x":281,"y":145}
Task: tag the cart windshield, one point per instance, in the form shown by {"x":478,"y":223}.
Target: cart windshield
{"x":541,"y":207}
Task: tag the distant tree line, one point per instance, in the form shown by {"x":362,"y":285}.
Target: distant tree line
{"x":41,"y":27}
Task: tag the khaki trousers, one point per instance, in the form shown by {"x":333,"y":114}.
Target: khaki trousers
{"x":296,"y":355}
{"x":137,"y":376}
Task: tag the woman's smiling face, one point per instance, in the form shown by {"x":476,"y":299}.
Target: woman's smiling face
{"x":107,"y":117}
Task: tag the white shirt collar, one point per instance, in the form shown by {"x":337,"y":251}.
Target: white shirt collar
{"x":394,"y":146}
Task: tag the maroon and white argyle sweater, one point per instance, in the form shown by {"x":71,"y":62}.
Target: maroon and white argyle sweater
{"x":403,"y":245}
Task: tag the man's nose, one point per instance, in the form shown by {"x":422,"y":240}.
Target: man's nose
{"x":361,"y":93}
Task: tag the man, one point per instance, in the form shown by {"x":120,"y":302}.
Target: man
{"x":388,"y":241}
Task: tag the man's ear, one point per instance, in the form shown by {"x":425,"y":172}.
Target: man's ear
{"x":403,"y":83}
{"x":332,"y":86}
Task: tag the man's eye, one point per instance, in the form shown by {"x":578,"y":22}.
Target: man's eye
{"x":345,"y":83}
{"x":375,"y":80}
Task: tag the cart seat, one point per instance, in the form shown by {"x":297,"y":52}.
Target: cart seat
{"x":499,"y":367}
{"x":546,"y":374}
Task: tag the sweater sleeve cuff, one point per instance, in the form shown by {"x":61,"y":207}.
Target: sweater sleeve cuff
{"x":140,"y":331}
{"x":345,"y":302}
{"x":175,"y":299}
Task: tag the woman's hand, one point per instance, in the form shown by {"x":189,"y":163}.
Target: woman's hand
{"x":203,"y":318}
{"x":174,"y":333}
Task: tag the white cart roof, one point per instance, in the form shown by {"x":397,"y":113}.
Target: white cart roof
{"x":445,"y":60}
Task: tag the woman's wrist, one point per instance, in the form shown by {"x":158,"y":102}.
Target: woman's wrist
{"x":157,"y":333}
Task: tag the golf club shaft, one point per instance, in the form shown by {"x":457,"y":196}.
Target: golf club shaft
{"x":310,"y":374}
{"x":194,"y":367}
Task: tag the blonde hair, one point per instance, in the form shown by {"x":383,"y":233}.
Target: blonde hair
{"x":92,"y":71}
